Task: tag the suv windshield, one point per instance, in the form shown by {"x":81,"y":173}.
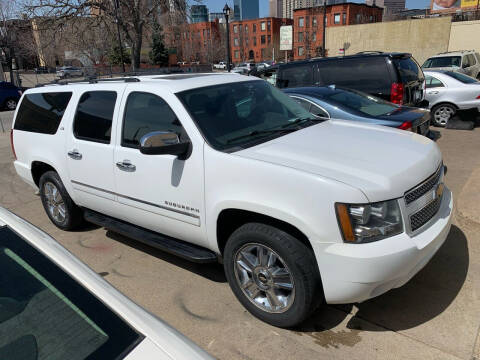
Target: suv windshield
{"x":360,"y":103}
{"x":45,"y":314}
{"x":236,"y":115}
{"x":445,"y":61}
{"x":461,"y":77}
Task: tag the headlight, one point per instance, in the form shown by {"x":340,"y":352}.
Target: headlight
{"x":369,"y":222}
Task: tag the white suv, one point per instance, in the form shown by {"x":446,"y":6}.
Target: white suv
{"x":300,"y":210}
{"x":466,"y":62}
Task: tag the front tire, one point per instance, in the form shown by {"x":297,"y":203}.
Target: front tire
{"x":273,"y":275}
{"x":442,"y":113}
{"x":58,"y":205}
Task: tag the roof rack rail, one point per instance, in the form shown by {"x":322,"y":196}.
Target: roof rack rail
{"x":369,"y":52}
{"x":89,"y":80}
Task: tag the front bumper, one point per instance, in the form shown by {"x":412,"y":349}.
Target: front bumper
{"x":357,"y":272}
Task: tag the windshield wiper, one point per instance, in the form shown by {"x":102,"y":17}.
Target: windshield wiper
{"x":302,"y":120}
{"x":261,"y":132}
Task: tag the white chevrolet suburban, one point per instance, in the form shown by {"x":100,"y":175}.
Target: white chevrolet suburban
{"x":223,"y":166}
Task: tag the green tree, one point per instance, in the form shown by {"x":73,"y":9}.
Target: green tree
{"x":115,"y":58}
{"x":159,"y":53}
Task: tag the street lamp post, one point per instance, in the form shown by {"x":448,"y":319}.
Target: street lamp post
{"x":226,"y":12}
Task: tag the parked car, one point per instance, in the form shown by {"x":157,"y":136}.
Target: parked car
{"x":450,"y":91}
{"x":244,"y":68}
{"x":69,"y":71}
{"x":182,"y":63}
{"x":263,"y":65}
{"x":341,"y":103}
{"x":54,"y":306}
{"x":465,"y":62}
{"x":44,"y":70}
{"x":395,"y":77}
{"x":221,"y":65}
{"x":300,"y":209}
{"x":9,"y":95}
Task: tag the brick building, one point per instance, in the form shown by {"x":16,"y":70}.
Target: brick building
{"x":203,"y":42}
{"x":308,"y":29}
{"x":257,"y":39}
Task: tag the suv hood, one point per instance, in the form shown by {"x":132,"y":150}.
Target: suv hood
{"x":383,"y":163}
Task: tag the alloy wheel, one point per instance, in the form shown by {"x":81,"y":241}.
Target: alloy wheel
{"x":264,"y":278}
{"x":11,"y":104}
{"x":443,"y":114}
{"x":55,"y":203}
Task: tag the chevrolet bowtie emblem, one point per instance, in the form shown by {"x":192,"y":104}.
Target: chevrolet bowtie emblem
{"x":439,"y":190}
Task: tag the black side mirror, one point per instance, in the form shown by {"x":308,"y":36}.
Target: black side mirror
{"x":164,"y":143}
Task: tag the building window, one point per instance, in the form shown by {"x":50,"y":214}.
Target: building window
{"x":344,"y":16}
{"x":254,"y":41}
{"x":301,"y":51}
{"x":236,"y":42}
{"x":371,"y":18}
{"x":336,"y":19}
{"x":254,"y":27}
{"x":314,"y":36}
{"x":263,"y":53}
{"x":358,"y":18}
{"x":262,"y":39}
{"x":301,"y":22}
{"x":300,"y":37}
{"x":246,"y":29}
{"x":246,"y":41}
{"x":269,"y":39}
{"x":236,"y":54}
{"x":235,"y":29}
{"x":314,"y":21}
{"x":269,"y":25}
{"x":262,"y":26}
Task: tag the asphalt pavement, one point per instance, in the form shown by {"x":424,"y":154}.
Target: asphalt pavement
{"x":434,"y":316}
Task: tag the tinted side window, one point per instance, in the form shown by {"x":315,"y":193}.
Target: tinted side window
{"x":316,"y":110}
{"x":93,"y":120}
{"x":42,"y":113}
{"x":295,"y":76}
{"x":433,"y":82}
{"x":145,"y":113}
{"x":409,"y":70}
{"x":305,"y":104}
{"x":369,"y":74}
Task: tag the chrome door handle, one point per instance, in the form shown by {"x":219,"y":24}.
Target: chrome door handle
{"x":432,"y":92}
{"x":75,"y":155}
{"x":126,"y":165}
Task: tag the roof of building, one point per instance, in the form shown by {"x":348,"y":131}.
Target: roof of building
{"x":341,"y":4}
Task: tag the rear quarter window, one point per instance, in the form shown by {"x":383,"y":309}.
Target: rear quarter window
{"x":369,"y":74}
{"x":42,"y":112}
{"x":409,"y":70}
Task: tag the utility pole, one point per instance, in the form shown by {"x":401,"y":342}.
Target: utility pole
{"x":116,"y":5}
{"x":324,"y":26}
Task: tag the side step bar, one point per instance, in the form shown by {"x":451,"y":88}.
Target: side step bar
{"x":165,"y":243}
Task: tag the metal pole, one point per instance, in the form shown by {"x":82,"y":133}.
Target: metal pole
{"x":324,"y":51}
{"x":116,"y":5}
{"x":228,"y":44}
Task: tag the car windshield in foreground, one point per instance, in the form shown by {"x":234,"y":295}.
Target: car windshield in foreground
{"x":462,"y":77}
{"x":358,"y":102}
{"x":45,"y":314}
{"x":237,"y":115}
{"x":445,"y":61}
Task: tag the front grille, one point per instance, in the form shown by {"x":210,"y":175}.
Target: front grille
{"x":421,"y":217}
{"x":422,"y":189}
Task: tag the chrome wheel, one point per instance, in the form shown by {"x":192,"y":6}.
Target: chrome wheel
{"x":55,"y":203}
{"x":264,"y":278}
{"x":442,"y":114}
{"x":11,"y":104}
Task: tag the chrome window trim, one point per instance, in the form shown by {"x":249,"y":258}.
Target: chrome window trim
{"x":314,"y":104}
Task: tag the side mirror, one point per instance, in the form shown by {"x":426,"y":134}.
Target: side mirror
{"x":164,"y":143}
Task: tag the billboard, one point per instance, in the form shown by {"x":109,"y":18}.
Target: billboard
{"x":286,"y":37}
{"x":453,"y":5}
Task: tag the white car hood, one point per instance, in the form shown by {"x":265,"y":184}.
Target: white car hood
{"x":383,"y":163}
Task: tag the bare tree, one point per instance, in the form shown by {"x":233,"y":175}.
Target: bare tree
{"x":133,"y":16}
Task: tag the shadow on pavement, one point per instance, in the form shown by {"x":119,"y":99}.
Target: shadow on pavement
{"x":423,"y":298}
{"x":213,"y":272}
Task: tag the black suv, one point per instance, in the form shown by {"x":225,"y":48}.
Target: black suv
{"x":395,"y":77}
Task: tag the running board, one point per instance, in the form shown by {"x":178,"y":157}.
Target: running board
{"x":165,"y":243}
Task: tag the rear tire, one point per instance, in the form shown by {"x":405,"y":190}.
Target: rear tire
{"x":11,"y":104}
{"x":442,"y":113}
{"x":274,"y":275}
{"x":58,"y":205}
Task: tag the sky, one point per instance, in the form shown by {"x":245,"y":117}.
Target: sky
{"x":217,"y":5}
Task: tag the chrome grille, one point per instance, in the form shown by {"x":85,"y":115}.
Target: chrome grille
{"x":423,"y":216}
{"x":422,"y":189}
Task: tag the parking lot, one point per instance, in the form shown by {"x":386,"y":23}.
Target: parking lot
{"x":434,"y":316}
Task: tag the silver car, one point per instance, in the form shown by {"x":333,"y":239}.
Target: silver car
{"x":449,"y":91}
{"x":466,"y":62}
{"x":69,"y":71}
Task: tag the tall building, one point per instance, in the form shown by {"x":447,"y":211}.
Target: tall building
{"x":245,"y":9}
{"x":199,"y":13}
{"x":217,"y":15}
{"x":390,"y":6}
{"x":276,"y":8}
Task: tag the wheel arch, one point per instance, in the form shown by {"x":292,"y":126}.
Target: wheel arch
{"x":445,"y":103}
{"x":230,"y":219}
{"x":39,"y":168}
